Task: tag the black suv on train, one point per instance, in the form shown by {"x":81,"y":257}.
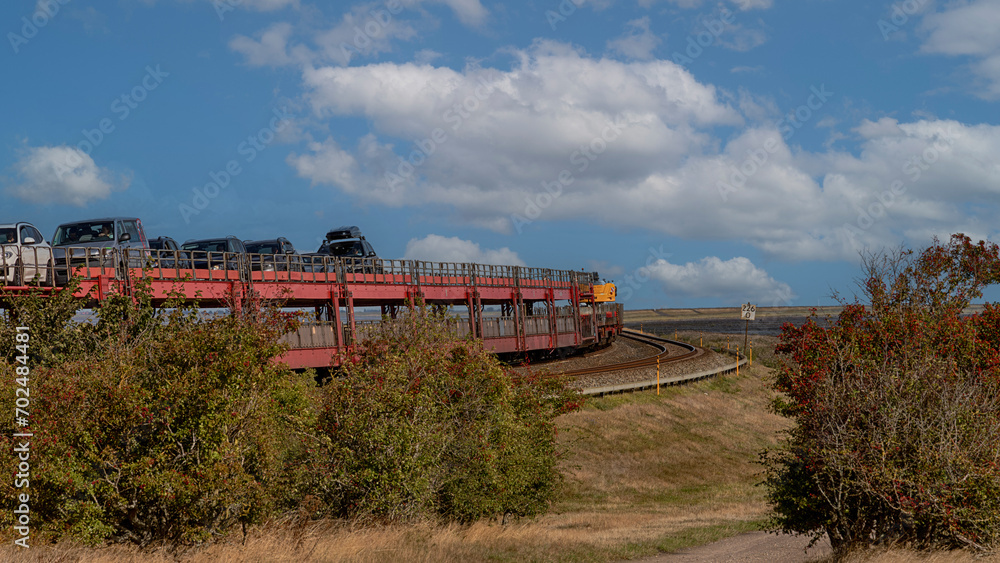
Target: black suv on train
{"x":275,"y":254}
{"x":166,"y":253}
{"x":225,"y":253}
{"x":349,"y":244}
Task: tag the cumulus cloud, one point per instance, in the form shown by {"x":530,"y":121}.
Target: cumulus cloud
{"x":969,"y":29}
{"x":63,"y":174}
{"x":469,"y":12}
{"x":743,"y":5}
{"x":742,"y":38}
{"x":270,"y":48}
{"x":222,"y":7}
{"x":328,"y":162}
{"x":483,"y":140}
{"x":565,"y":136}
{"x":364,"y":30}
{"x":638,"y":41}
{"x":268,"y":5}
{"x":436,"y":248}
{"x":736,"y":280}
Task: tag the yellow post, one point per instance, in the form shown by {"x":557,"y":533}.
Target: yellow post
{"x":675,"y":335}
{"x":737,"y":360}
{"x":750,"y":363}
{"x":727,"y":342}
{"x":701,"y":341}
{"x":657,"y":375}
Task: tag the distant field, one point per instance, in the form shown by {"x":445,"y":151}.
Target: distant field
{"x":640,"y":315}
{"x":733,"y":313}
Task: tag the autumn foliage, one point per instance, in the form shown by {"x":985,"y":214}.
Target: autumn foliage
{"x":896,"y":406}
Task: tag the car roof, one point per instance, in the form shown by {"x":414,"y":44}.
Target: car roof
{"x":265,"y":240}
{"x":345,"y":232}
{"x":189,"y":241}
{"x":105,"y":219}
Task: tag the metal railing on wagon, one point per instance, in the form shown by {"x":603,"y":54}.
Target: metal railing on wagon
{"x":21,"y":265}
{"x":90,"y":262}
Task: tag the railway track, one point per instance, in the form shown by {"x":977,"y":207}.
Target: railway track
{"x":603,"y":381}
{"x":664,"y":355}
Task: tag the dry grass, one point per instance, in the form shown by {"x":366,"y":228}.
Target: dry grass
{"x":325,"y":542}
{"x":644,"y":474}
{"x":908,"y":556}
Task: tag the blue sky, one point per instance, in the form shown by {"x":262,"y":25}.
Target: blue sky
{"x":698,"y":153}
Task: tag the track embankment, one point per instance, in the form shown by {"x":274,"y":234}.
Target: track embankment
{"x":630,"y":364}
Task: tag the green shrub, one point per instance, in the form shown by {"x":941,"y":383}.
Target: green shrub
{"x":163,"y":426}
{"x":423,"y":426}
{"x":170,"y":427}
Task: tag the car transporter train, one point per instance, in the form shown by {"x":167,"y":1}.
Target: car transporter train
{"x":515,"y":310}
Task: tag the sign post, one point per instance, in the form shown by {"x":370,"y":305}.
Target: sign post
{"x":748,"y":313}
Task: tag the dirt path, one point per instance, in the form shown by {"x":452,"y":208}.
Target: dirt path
{"x":755,"y":547}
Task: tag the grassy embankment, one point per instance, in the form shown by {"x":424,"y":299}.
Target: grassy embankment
{"x":644,"y":474}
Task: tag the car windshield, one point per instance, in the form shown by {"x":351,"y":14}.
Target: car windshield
{"x":158,"y":244}
{"x":206,"y":246}
{"x":264,"y":248}
{"x":77,"y":233}
{"x":8,"y":236}
{"x":349,"y":248}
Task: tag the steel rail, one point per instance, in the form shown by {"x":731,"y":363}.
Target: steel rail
{"x":662,"y":357}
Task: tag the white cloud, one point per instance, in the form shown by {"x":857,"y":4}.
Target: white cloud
{"x":269,"y":5}
{"x":506,"y":132}
{"x":469,"y":12}
{"x":364,"y":30}
{"x":743,"y":5}
{"x":426,"y":56}
{"x":741,"y":38}
{"x":637,"y":144}
{"x":754,"y":4}
{"x":436,"y":248}
{"x":327,"y":162}
{"x":270,"y":48}
{"x":222,"y":7}
{"x":638,"y":41}
{"x":969,"y":29}
{"x":736,"y":280}
{"x":63,"y":174}
{"x":966,"y":28}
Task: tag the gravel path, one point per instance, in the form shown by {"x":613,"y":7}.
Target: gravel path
{"x":755,"y":547}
